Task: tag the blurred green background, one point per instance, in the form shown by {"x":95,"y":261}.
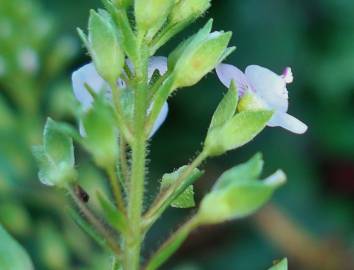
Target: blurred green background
{"x":310,"y":220}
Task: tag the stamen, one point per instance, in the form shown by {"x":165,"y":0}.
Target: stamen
{"x":288,"y":75}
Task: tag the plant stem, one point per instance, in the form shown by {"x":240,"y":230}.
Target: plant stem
{"x":172,"y":244}
{"x":117,"y":192}
{"x":92,"y":219}
{"x":134,"y":239}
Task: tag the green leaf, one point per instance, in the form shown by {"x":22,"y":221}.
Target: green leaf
{"x":236,"y":197}
{"x":185,"y":198}
{"x":55,"y":157}
{"x":12,"y":255}
{"x":115,"y":218}
{"x":226,"y":108}
{"x":248,"y":171}
{"x":86,"y":227}
{"x":239,"y":130}
{"x":282,"y":265}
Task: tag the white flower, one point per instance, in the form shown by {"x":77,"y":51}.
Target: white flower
{"x":268,"y":87}
{"x":88,"y":74}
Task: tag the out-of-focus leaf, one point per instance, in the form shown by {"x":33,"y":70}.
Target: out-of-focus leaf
{"x":12,"y":255}
{"x":113,"y":215}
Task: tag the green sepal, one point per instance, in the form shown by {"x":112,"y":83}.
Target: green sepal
{"x":236,"y":132}
{"x":114,"y":217}
{"x":12,"y":254}
{"x":282,"y":265}
{"x":226,"y":108}
{"x":247,"y":171}
{"x":101,"y":134}
{"x":126,"y":34}
{"x":104,"y":46}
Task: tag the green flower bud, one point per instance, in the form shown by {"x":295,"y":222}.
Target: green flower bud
{"x":103,"y":45}
{"x":199,"y":55}
{"x":55,"y":157}
{"x":100,"y":132}
{"x":188,"y":10}
{"x":238,"y":193}
{"x":150,"y":15}
{"x":122,"y":3}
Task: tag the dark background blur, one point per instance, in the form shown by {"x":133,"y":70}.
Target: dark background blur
{"x":310,"y":220}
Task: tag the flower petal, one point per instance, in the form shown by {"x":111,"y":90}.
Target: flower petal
{"x":288,"y":122}
{"x":157,"y":63}
{"x":87,"y":75}
{"x":269,"y":86}
{"x":227,"y":73}
{"x":160,"y":119}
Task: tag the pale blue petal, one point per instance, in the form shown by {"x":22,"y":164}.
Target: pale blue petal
{"x":288,"y":122}
{"x":160,"y":119}
{"x":87,"y":75}
{"x":157,"y":63}
{"x":268,"y":86}
{"x":228,"y":73}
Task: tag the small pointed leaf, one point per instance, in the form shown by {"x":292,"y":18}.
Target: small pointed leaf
{"x":282,"y":265}
{"x":186,"y":198}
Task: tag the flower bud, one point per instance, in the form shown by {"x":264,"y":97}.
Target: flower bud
{"x":122,"y":3}
{"x":198,"y":56}
{"x":188,"y":10}
{"x":104,"y":47}
{"x":239,"y":193}
{"x":55,"y":157}
{"x":150,"y":15}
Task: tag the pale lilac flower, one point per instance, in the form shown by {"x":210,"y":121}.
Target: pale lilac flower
{"x":88,"y":74}
{"x":268,"y":87}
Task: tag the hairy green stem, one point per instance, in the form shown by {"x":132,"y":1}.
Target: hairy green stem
{"x":117,"y":191}
{"x":134,"y":239}
{"x":172,"y":244}
{"x":92,"y":219}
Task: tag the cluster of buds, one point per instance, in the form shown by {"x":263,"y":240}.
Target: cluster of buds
{"x":123,"y":94}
